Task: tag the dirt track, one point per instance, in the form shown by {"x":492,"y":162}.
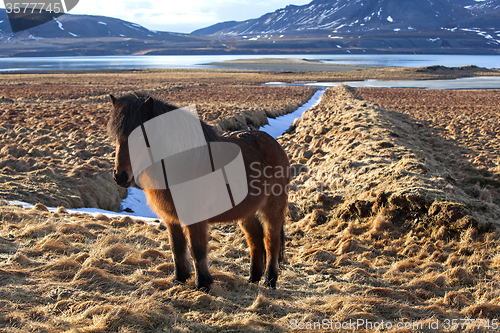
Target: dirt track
{"x":394,"y":236}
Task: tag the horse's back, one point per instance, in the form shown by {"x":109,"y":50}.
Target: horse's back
{"x":254,"y":141}
{"x":267,"y":172}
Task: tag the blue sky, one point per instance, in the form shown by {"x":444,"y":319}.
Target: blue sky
{"x":181,"y":15}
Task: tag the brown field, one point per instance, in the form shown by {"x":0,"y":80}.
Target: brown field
{"x":54,"y":149}
{"x":469,"y":117}
{"x":393,"y":215}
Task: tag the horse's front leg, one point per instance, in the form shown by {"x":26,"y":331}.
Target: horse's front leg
{"x":178,"y":245}
{"x":198,"y":237}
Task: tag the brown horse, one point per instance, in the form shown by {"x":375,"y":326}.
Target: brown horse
{"x":267,"y":170}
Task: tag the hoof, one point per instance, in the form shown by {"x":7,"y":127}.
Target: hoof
{"x":271,"y":279}
{"x":254,"y":279}
{"x":204,"y":283}
{"x":180,"y":278}
{"x":270,"y":284}
{"x":205,"y":289}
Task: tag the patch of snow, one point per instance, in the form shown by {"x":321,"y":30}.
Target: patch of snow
{"x":72,"y":34}
{"x":397,"y":29}
{"x":136,"y":201}
{"x":103,"y":23}
{"x":338,"y":46}
{"x":279,"y":125}
{"x":274,"y":83}
{"x":128,"y":26}
{"x":142,"y":211}
{"x":411,"y":28}
{"x":59,"y":24}
{"x":281,"y":16}
{"x":390,"y":19}
{"x":339,"y":27}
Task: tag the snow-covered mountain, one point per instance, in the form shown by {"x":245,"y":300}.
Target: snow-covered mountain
{"x":88,"y":26}
{"x":359,"y":16}
{"x":484,"y":6}
{"x":85,"y":35}
{"x":322,"y":26}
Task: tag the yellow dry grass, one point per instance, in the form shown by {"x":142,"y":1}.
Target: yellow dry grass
{"x":53,"y":143}
{"x":392,"y":236}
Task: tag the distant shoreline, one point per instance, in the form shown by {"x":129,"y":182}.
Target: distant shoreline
{"x":295,"y":63}
{"x":290,"y":64}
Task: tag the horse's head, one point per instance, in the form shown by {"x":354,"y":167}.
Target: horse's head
{"x":128,"y":113}
{"x":122,"y":172}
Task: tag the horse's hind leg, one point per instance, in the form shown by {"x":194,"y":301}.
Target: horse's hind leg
{"x":273,"y":214}
{"x":179,"y":249}
{"x":255,"y":239}
{"x":198,"y":237}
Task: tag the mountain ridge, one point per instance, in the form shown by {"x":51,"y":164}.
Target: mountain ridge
{"x":86,"y":26}
{"x":320,"y":27}
{"x":90,"y":35}
{"x":433,"y":26}
{"x":357,"y":16}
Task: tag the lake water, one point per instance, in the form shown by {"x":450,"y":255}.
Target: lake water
{"x":483,"y":82}
{"x":193,"y":61}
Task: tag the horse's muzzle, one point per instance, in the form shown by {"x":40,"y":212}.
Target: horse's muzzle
{"x":121,"y":179}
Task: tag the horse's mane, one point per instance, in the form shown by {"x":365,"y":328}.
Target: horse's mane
{"x":128,"y":113}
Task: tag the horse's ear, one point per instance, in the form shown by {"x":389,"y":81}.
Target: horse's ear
{"x":113,"y":99}
{"x":148,"y":105}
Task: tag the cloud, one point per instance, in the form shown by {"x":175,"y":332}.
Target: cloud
{"x":138,"y":5}
{"x":180,"y":16}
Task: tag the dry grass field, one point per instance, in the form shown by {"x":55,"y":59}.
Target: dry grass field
{"x":469,"y":117}
{"x":393,"y":213}
{"x":53,"y":144}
